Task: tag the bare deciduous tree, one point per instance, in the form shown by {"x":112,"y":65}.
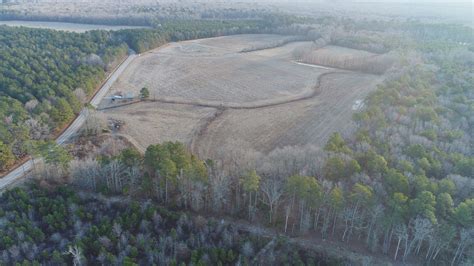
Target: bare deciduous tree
{"x":93,"y":124}
{"x":38,"y":130}
{"x":466,"y":239}
{"x":272,"y":189}
{"x":114,"y":173}
{"x":76,"y":253}
{"x":420,"y":229}
{"x":85,"y":173}
{"x":220,"y":188}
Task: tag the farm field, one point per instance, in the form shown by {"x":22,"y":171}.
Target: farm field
{"x":212,"y":71}
{"x":209,"y":95}
{"x":71,"y":27}
{"x":151,"y":123}
{"x":294,"y":124}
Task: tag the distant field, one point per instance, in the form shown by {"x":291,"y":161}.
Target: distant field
{"x":210,"y":96}
{"x":72,"y":27}
{"x":347,"y":58}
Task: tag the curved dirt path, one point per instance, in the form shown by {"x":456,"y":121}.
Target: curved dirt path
{"x":207,"y":121}
{"x":310,"y":121}
{"x":202,"y":129}
{"x":255,"y":105}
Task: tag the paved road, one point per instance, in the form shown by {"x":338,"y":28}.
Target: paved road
{"x":73,"y":128}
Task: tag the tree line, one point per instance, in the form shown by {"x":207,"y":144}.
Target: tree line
{"x":349,"y":196}
{"x":180,"y":30}
{"x":135,"y":14}
{"x":60,"y":226}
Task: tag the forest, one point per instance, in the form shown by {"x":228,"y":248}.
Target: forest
{"x":133,"y":13}
{"x":45,"y":78}
{"x":64,"y":227}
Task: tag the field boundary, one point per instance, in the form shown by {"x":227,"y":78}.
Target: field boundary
{"x":118,"y":105}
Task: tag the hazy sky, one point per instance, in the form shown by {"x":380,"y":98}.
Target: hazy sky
{"x":464,"y":2}
{"x":370,"y":1}
{"x":413,"y":1}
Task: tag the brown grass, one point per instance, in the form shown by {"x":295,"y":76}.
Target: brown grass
{"x":151,"y":123}
{"x":217,"y":97}
{"x":347,"y":58}
{"x":210,"y":71}
{"x":309,"y":121}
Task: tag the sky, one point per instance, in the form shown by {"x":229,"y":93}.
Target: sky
{"x":413,"y":1}
{"x":400,"y":1}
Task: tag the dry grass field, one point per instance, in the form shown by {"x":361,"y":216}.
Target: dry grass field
{"x":347,"y":58}
{"x":151,"y":123}
{"x":213,"y":71}
{"x":210,"y":96}
{"x":295,"y":124}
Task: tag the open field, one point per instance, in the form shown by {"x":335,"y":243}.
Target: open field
{"x":207,"y":94}
{"x":213,"y":71}
{"x":72,"y":27}
{"x":151,"y":123}
{"x":295,"y":124}
{"x":238,"y":43}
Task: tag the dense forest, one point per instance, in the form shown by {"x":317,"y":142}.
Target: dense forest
{"x":46,"y":76}
{"x":163,"y":32}
{"x":63,"y":227}
{"x":134,"y":13}
{"x":357,"y":196}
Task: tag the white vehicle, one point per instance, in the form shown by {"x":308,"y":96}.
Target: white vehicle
{"x":114,"y":97}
